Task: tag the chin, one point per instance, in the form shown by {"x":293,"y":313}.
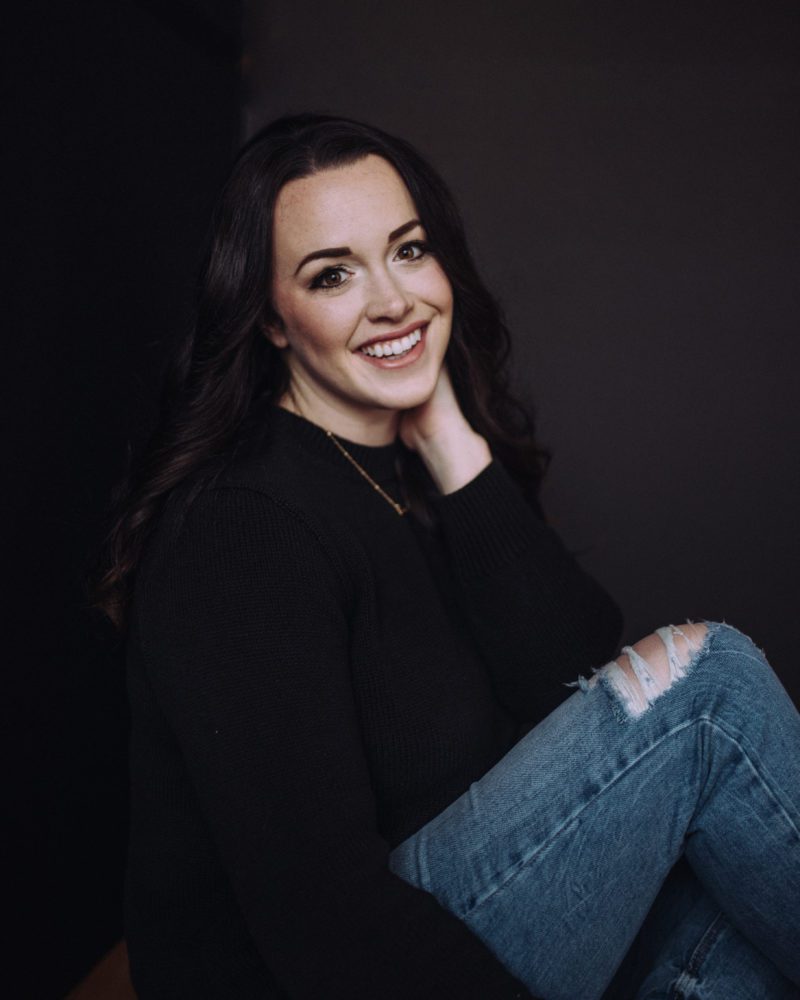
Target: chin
{"x":406,"y":400}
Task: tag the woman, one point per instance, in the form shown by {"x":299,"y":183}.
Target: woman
{"x":351,"y":635}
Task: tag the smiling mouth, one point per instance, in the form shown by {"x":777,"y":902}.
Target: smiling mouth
{"x":409,"y":350}
{"x":394,"y":348}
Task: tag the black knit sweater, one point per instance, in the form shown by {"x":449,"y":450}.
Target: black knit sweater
{"x":311,"y":679}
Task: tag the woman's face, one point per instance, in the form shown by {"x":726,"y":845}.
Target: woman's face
{"x":350,"y":270}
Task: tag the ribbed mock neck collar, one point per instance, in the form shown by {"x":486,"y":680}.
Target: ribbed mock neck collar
{"x":378,"y":460}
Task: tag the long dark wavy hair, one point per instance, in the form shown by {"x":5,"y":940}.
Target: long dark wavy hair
{"x":226,"y":361}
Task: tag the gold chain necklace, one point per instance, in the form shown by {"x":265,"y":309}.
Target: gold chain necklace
{"x":398,"y":507}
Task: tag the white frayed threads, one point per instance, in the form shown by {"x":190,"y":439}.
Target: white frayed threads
{"x":636,"y":695}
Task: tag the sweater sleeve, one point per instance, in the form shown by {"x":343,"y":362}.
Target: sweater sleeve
{"x":538,"y":618}
{"x":246,"y":646}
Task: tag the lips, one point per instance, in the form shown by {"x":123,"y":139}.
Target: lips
{"x":395,"y":335}
{"x":402,"y":360}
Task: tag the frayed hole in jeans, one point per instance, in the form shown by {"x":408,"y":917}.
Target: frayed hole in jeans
{"x":643,"y":672}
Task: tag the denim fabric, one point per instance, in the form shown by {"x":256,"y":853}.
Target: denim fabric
{"x":647,"y":853}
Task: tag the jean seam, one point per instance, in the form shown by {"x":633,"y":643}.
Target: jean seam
{"x":759,"y":770}
{"x":690,"y":974}
{"x":508,"y":878}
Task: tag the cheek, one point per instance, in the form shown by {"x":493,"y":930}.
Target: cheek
{"x":319,"y":325}
{"x":435,"y":287}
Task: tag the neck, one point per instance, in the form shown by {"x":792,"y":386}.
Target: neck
{"x":375,"y":427}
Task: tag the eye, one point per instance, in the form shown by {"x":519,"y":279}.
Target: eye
{"x":320,"y":281}
{"x":419,"y":245}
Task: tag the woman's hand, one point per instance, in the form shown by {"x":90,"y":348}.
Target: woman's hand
{"x":438,"y":431}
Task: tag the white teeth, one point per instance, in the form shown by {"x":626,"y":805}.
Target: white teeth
{"x":393,"y":347}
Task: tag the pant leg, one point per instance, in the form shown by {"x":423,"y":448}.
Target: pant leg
{"x":708,"y":959}
{"x":687,"y":950}
{"x":556,"y":856}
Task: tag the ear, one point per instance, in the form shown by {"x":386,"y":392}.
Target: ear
{"x":274,"y":333}
{"x":276,"y":337}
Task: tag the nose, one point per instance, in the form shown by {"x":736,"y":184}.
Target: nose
{"x":386,"y":297}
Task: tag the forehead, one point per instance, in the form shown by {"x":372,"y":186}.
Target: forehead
{"x":335,"y":205}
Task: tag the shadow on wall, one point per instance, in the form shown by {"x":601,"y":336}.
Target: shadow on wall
{"x":122,"y":128}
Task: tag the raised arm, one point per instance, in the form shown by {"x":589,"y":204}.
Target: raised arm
{"x":537,"y":616}
{"x":245,"y":630}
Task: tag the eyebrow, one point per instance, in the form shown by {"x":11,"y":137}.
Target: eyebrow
{"x":344,"y":251}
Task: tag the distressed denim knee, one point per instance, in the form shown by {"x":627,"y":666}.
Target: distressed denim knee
{"x":573,"y":831}
{"x":635,"y":685}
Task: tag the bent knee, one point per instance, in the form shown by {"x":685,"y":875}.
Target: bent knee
{"x":645,"y":670}
{"x":659,"y":659}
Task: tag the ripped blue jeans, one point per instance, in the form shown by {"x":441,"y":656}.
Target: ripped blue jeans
{"x":639,"y":841}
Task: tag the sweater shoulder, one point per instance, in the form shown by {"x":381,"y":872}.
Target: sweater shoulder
{"x":247,"y":515}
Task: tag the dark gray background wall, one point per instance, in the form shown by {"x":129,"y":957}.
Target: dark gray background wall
{"x":628,"y":177}
{"x":121,"y":127}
